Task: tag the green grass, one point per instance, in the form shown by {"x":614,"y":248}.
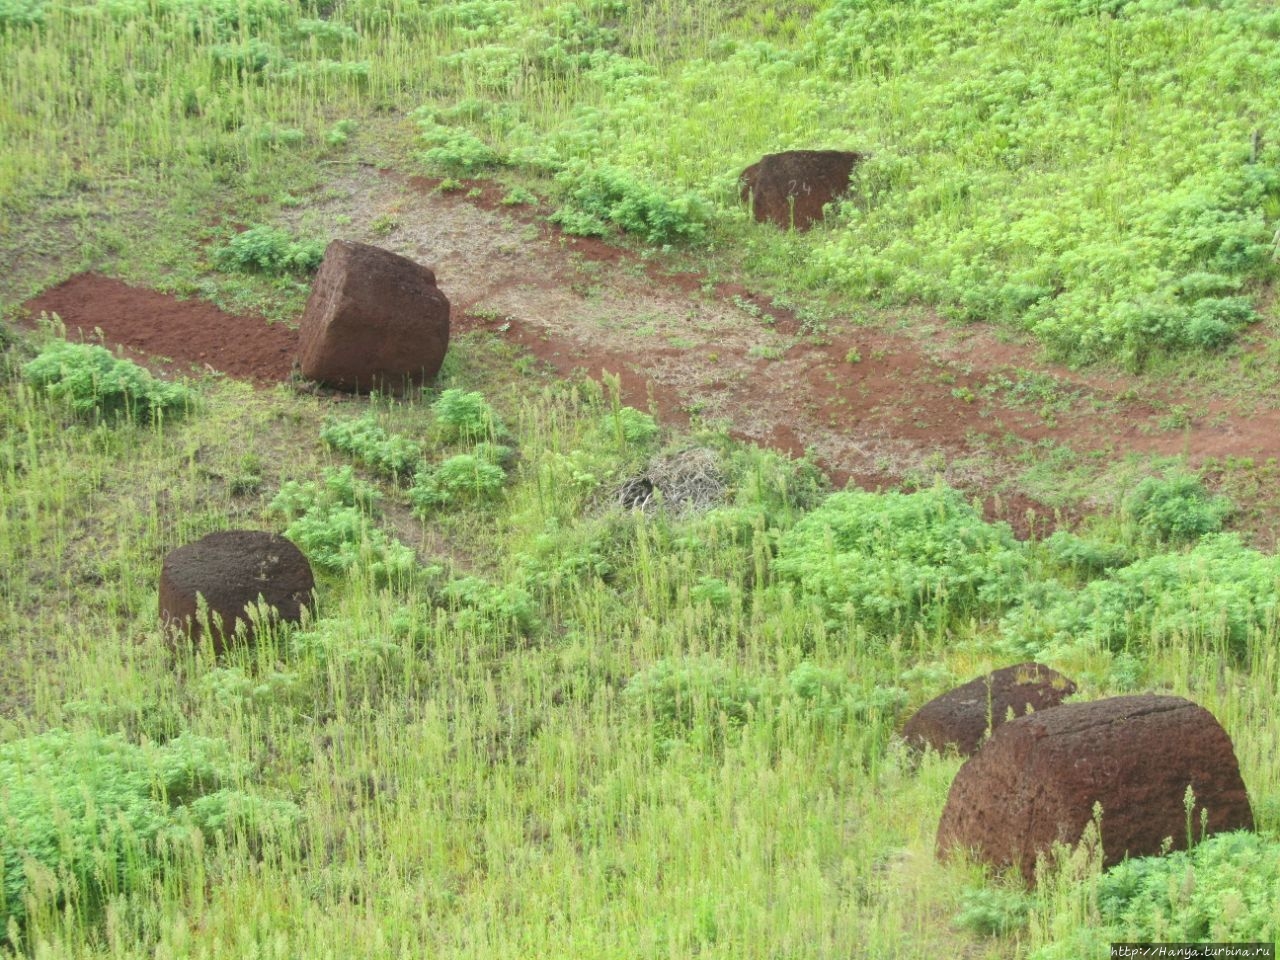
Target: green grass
{"x":1102,"y":178}
{"x":525,"y":721}
{"x":648,"y":726}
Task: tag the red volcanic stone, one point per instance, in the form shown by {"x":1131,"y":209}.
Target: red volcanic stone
{"x":1035,"y":782}
{"x":232,"y":570}
{"x":791,"y":188}
{"x":962,"y":717}
{"x":374,"y":320}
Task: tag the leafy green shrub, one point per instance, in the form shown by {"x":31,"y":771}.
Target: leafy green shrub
{"x":455,"y":151}
{"x":606,"y":195}
{"x":627,"y":425}
{"x":1177,"y":507}
{"x":1085,"y":558}
{"x":352,"y":71}
{"x":274,"y":136}
{"x":498,"y":454}
{"x":679,"y":694}
{"x":232,"y":687}
{"x":830,"y":697}
{"x":485,"y":608}
{"x":478,"y":17}
{"x":896,"y":558}
{"x":91,"y":381}
{"x":253,"y":56}
{"x":208,"y":19}
{"x":340,"y":133}
{"x":465,"y":416}
{"x":1224,"y":889}
{"x":568,"y":553}
{"x":268,"y":250}
{"x":328,"y":37}
{"x":518,"y":197}
{"x":333,"y":642}
{"x":464,"y":478}
{"x":253,"y":818}
{"x":368,"y":442}
{"x":712,"y":591}
{"x":1219,"y":589}
{"x":782,"y":486}
{"x":21,"y":13}
{"x":82,"y":812}
{"x":991,"y":912}
{"x":332,"y":523}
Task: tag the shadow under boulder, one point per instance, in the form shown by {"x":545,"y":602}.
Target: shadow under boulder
{"x":1036,"y":781}
{"x":962,"y":718}
{"x":374,"y":321}
{"x":790,"y":189}
{"x":233,"y":571}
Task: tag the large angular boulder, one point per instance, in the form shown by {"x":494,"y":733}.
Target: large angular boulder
{"x":1035,"y":782}
{"x":961,"y":718}
{"x":790,"y":189}
{"x":374,"y":320}
{"x":233,"y":570}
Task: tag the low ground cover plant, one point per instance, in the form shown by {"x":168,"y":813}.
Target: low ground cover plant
{"x":627,"y":425}
{"x":677,"y":695}
{"x":333,"y":522}
{"x":270,"y":250}
{"x":367,"y":441}
{"x":464,"y":478}
{"x":1176,"y":508}
{"x":1220,"y":591}
{"x":598,"y":197}
{"x":894,"y":559}
{"x":465,"y":416}
{"x":92,"y":381}
{"x":89,"y":816}
{"x":1222,"y":890}
{"x":482,"y":608}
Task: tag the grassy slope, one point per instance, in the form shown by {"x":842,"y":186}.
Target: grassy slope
{"x":467,"y":792}
{"x":473,"y":787}
{"x":1102,"y":176}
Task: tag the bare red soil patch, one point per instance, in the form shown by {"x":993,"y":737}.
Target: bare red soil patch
{"x":183,"y":334}
{"x":638,"y":388}
{"x":875,"y":405}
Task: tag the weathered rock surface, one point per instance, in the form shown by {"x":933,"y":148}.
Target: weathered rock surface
{"x":1035,"y":782}
{"x":791,"y":188}
{"x":232,"y":570}
{"x":961,"y":717}
{"x":374,"y":320}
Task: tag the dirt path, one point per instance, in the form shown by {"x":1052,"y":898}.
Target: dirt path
{"x":872,"y":405}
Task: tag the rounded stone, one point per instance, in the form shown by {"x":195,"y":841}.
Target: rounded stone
{"x":233,"y":570}
{"x":1036,"y":781}
{"x":790,"y":189}
{"x":961,"y":718}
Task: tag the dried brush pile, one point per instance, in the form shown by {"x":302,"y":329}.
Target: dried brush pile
{"x":687,"y":481}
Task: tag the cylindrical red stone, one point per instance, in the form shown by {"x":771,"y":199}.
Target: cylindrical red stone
{"x":374,"y":320}
{"x":790,"y":189}
{"x":1035,"y":782}
{"x":961,"y":718}
{"x":232,"y":571}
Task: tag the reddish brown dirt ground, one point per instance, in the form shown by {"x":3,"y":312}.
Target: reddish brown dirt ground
{"x":925,"y":388}
{"x":872,"y":405}
{"x":189,"y":334}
